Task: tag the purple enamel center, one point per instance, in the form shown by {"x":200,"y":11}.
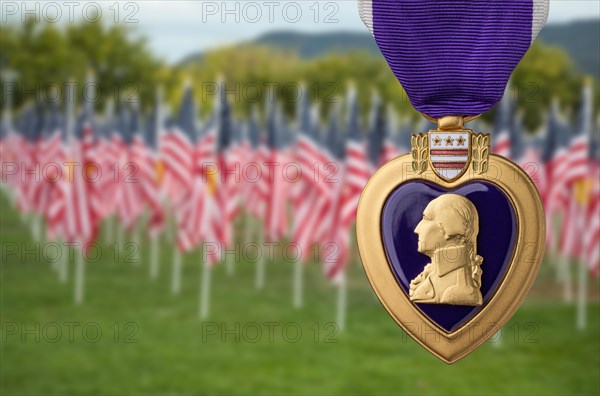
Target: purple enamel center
{"x":402,"y":212}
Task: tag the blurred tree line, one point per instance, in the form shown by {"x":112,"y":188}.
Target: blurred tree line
{"x":44,"y":55}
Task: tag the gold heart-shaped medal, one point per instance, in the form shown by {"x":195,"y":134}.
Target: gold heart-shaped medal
{"x":451,"y":238}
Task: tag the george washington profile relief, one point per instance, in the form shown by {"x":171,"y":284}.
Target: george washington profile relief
{"x":448,"y":235}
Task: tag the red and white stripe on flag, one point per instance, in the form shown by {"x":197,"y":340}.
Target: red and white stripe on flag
{"x":82,"y":209}
{"x":502,"y":144}
{"x":148,"y":183}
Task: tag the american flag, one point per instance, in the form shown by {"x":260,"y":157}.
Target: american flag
{"x":146,"y":183}
{"x":517,"y":137}
{"x":206,"y":213}
{"x":357,"y":173}
{"x":377,"y":125}
{"x":576,"y":180}
{"x":130,"y":203}
{"x":52,"y":160}
{"x":103,"y":146}
{"x":56,"y":215}
{"x":255,"y":181}
{"x":239,"y":158}
{"x":556,"y":167}
{"x":310,"y":158}
{"x":82,"y":211}
{"x":210,"y":212}
{"x":358,"y":169}
{"x":115,"y":157}
{"x":548,"y":149}
{"x":333,"y":175}
{"x":8,"y":138}
{"x":525,"y":152}
{"x":198,"y":214}
{"x":226,"y":190}
{"x":336,"y":255}
{"x":34,"y":187}
{"x":177,"y":152}
{"x":181,"y":158}
{"x":303,"y":127}
{"x":276,"y":222}
{"x":402,"y":137}
{"x":591,"y":239}
{"x":154,"y":128}
{"x":24,"y":179}
{"x":503,"y":125}
{"x":390,"y":150}
{"x":205,"y":184}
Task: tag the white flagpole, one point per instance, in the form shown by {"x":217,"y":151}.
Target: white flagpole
{"x":136,"y":242}
{"x":79,"y":278}
{"x":55,"y":264}
{"x":155,"y":238}
{"x":563,"y":269}
{"x":205,"y":290}
{"x":112,"y":229}
{"x":13,"y":198}
{"x":172,"y":229}
{"x":554,"y":249}
{"x":298,"y":300}
{"x":567,"y":279}
{"x":11,"y":195}
{"x":582,"y":296}
{"x":176,"y":274}
{"x":154,"y":259}
{"x":585,"y":192}
{"x":582,"y":284}
{"x":342,"y":302}
{"x":260,"y":263}
{"x":63,"y":269}
{"x":24,"y":218}
{"x":107,"y":227}
{"x":36,"y":223}
{"x":260,"y":272}
{"x":248,"y":229}
{"x":230,"y":264}
{"x":8,"y":76}
{"x":120,"y":236}
{"x":230,"y":261}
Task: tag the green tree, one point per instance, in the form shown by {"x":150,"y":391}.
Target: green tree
{"x":45,"y":56}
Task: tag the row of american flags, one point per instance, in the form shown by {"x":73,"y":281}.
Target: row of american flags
{"x":300,"y":180}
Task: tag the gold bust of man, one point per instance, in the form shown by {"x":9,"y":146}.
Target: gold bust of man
{"x":448,"y":235}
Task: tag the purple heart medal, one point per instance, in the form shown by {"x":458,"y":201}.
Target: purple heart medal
{"x":450,"y":235}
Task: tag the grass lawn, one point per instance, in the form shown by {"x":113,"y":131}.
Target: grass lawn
{"x":254,"y":342}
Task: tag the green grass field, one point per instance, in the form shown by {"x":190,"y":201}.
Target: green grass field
{"x":153,"y":342}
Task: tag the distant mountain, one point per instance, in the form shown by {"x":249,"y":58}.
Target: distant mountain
{"x":581,"y":40}
{"x":313,"y":45}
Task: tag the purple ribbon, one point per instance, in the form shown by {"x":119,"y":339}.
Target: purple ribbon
{"x":453,"y":57}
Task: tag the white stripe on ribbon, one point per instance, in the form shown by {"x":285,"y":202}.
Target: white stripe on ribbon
{"x":365,"y":10}
{"x":540,"y":15}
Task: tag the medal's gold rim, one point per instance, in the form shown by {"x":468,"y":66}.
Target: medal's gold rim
{"x":523,"y":268}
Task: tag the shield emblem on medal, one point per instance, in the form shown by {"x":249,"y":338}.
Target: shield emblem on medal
{"x":449,"y":153}
{"x":458,"y":241}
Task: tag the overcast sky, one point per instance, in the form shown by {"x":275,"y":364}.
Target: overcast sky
{"x":178,"y":28}
{"x":190,"y":26}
